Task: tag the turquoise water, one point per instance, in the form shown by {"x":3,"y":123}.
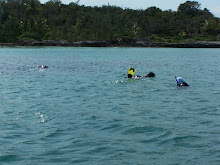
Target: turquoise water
{"x":82,"y":110}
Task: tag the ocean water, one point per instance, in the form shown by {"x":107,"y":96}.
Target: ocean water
{"x":83,"y":110}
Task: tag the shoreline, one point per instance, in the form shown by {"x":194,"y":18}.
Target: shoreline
{"x":199,"y":44}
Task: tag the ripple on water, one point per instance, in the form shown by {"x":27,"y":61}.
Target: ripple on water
{"x":141,"y":130}
{"x":9,"y":158}
{"x":179,"y":141}
{"x":156,"y":137}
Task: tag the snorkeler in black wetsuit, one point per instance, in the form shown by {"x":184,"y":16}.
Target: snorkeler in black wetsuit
{"x":43,"y":67}
{"x":150,"y":74}
{"x":131,"y":72}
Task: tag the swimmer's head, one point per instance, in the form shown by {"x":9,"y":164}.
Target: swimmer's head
{"x":151,"y":74}
{"x":184,"y":84}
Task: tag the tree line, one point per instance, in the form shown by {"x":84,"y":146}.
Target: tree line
{"x":31,"y":20}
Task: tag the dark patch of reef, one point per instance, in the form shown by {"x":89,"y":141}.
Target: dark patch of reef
{"x":116,"y":43}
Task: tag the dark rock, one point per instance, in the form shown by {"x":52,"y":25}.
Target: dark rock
{"x":50,"y":43}
{"x":55,"y":43}
{"x":116,"y":43}
{"x":7,"y":44}
{"x":91,"y":44}
{"x":37,"y":43}
{"x":186,"y":44}
{"x":25,"y":42}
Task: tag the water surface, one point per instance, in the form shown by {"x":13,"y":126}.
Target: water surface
{"x":83,"y":110}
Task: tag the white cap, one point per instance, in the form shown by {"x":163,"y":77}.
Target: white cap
{"x":180,"y":80}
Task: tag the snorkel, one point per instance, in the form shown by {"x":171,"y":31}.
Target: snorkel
{"x":176,"y":81}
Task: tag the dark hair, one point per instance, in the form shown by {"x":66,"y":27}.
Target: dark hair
{"x":129,"y":76}
{"x":151,"y":74}
{"x":184,"y":84}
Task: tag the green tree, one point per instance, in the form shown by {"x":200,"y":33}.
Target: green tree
{"x":28,"y":19}
{"x":189,"y":8}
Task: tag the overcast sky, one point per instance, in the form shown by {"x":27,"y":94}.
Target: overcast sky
{"x":212,"y":5}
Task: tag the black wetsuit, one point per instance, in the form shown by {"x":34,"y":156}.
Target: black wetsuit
{"x":129,"y":76}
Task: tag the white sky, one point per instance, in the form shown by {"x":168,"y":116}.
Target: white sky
{"x":212,"y":5}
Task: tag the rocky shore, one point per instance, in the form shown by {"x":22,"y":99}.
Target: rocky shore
{"x":118,"y":43}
